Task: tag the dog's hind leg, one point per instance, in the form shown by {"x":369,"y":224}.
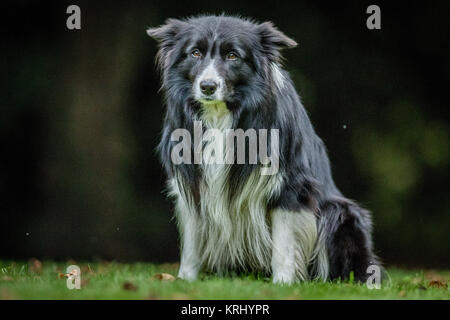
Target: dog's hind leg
{"x":348,"y":229}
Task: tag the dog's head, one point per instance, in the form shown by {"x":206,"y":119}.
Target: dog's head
{"x":219,"y":58}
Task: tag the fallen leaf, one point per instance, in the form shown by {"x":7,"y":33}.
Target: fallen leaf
{"x":437,"y":280}
{"x":128,"y":286}
{"x":402,"y":293}
{"x":438,"y":284}
{"x":6,"y":278}
{"x":34,"y":265}
{"x":163,"y":277}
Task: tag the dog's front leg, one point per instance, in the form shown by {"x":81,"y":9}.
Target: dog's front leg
{"x":294,"y":235}
{"x":190,"y":260}
{"x":283,"y":247}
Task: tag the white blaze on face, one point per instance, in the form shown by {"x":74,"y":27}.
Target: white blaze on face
{"x":210,"y":73}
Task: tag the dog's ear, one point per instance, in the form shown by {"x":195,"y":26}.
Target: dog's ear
{"x":273,"y":40}
{"x":167,"y":32}
{"x":270,"y":35}
{"x":166,"y":37}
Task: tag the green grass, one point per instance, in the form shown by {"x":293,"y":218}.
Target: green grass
{"x":104,"y":280}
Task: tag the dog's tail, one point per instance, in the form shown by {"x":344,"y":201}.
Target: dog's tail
{"x":344,"y":242}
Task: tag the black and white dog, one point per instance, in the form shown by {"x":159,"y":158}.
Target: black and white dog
{"x":225,"y":73}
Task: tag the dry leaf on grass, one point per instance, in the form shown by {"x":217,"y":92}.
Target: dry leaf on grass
{"x":433,"y":275}
{"x":34,"y":265}
{"x":6,"y":278}
{"x":163,"y":277}
{"x":437,"y":284}
{"x":128,"y":286}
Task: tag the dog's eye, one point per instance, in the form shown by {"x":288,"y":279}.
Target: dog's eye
{"x":232,"y":56}
{"x":196,"y":53}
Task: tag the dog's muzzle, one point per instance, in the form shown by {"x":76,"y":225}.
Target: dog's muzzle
{"x":208,"y":87}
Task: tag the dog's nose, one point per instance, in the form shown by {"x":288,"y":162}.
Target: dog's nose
{"x":208,"y":87}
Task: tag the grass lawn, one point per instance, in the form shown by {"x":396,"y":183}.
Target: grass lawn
{"x":110,"y":280}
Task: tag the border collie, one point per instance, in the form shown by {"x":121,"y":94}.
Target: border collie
{"x":226,"y":73}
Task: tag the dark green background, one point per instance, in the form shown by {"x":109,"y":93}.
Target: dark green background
{"x":81,"y":115}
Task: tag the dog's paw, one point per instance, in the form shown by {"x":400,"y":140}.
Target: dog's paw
{"x":282,"y":278}
{"x":188,"y":274}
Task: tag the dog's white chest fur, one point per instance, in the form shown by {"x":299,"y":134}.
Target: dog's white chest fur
{"x":233,"y":230}
{"x":236,"y":232}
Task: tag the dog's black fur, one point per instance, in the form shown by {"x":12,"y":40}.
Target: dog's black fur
{"x":255,"y":102}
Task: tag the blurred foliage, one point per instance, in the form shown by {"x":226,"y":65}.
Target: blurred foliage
{"x":81,"y":116}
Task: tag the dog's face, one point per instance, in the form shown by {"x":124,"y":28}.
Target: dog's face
{"x":213,"y":59}
{"x":216,"y":65}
